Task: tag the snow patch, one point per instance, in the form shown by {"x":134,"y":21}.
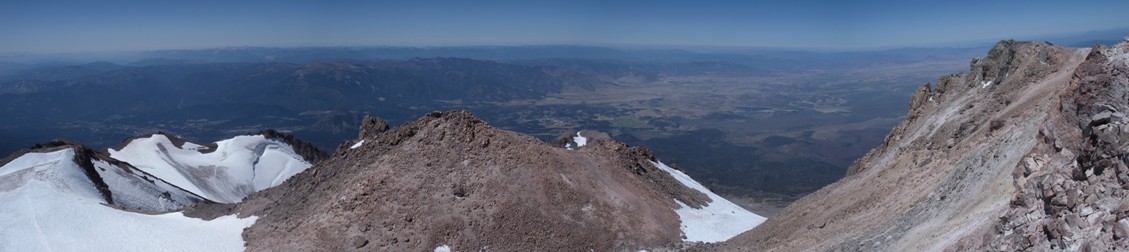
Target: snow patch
{"x":358,"y":144}
{"x":54,"y":170}
{"x":38,"y":218}
{"x":50,"y":205}
{"x":443,"y":248}
{"x":36,"y":160}
{"x":716,"y":222}
{"x":580,"y":140}
{"x":236,"y":168}
{"x":985,"y":84}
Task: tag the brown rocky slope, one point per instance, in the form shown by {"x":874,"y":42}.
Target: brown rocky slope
{"x":449,"y":179}
{"x":1027,"y":151}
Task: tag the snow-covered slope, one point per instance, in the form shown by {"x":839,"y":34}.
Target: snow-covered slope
{"x":133,"y":189}
{"x":718,"y":221}
{"x":55,"y":169}
{"x":50,"y":204}
{"x":225,"y":172}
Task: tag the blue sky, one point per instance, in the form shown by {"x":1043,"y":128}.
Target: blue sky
{"x":85,"y":26}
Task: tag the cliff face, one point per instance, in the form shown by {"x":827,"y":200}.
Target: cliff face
{"x":1025,"y":151}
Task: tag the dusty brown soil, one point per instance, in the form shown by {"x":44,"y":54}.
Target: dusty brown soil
{"x":451,"y":179}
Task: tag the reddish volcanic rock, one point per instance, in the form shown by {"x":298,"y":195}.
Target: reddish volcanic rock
{"x":451,"y":179}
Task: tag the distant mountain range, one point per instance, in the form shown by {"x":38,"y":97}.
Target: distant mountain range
{"x":321,"y":93}
{"x":14,"y":62}
{"x":101,"y":92}
{"x":281,"y":82}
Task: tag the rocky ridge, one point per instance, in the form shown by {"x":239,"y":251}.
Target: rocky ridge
{"x":449,"y":179}
{"x":1023,"y":152}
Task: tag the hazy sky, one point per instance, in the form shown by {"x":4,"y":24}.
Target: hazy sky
{"x":80,"y":26}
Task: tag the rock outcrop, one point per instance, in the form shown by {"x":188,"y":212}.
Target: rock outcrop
{"x":449,"y":179}
{"x":1071,"y":191}
{"x":1026,"y":151}
{"x":308,"y":151}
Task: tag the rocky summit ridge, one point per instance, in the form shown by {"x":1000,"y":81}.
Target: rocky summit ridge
{"x":451,"y":180}
{"x":1025,"y":151}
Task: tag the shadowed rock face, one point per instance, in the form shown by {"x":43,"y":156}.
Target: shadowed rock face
{"x":308,"y":151}
{"x":1023,"y":152}
{"x":451,"y":179}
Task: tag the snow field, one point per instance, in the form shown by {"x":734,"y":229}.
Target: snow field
{"x":50,"y":205}
{"x":716,"y":222}
{"x":237,"y":167}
